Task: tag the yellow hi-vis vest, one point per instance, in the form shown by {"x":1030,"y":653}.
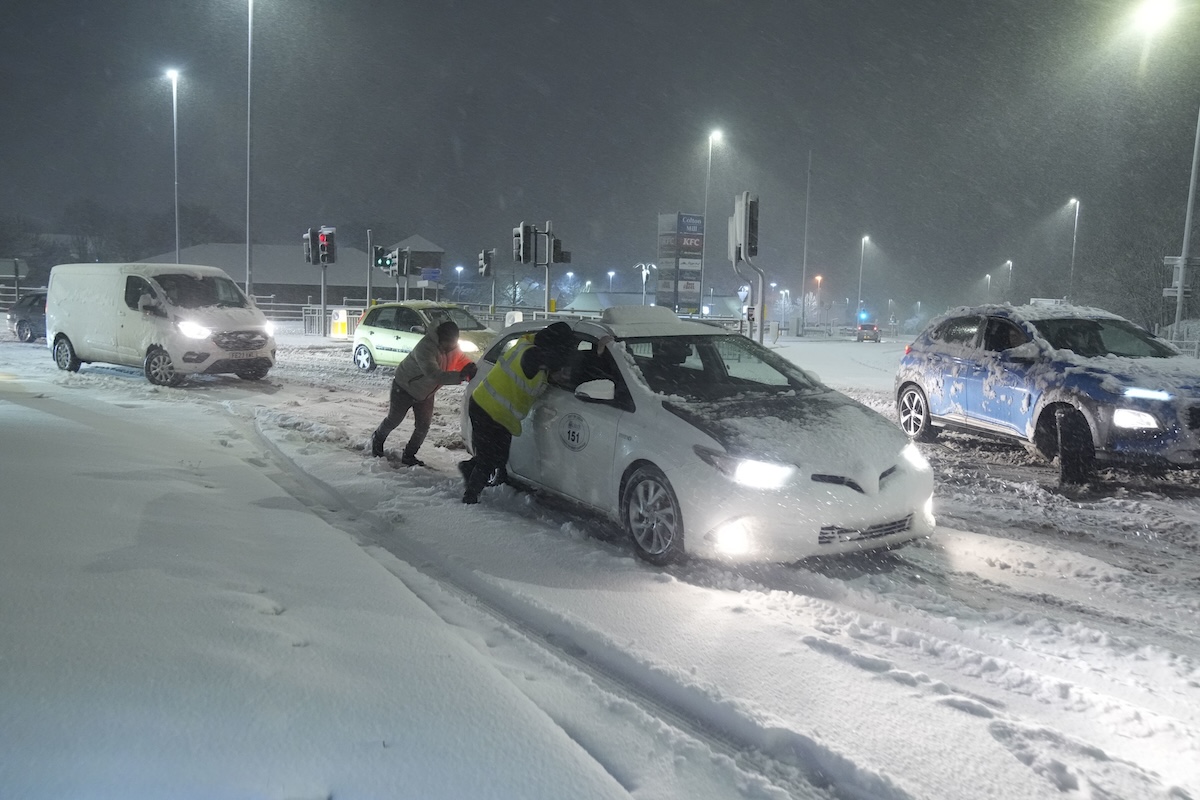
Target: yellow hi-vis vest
{"x":506,"y":394}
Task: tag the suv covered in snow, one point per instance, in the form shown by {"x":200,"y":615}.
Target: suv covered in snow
{"x":1081,"y":384}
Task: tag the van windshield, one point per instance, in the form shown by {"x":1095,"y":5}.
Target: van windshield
{"x":193,"y":291}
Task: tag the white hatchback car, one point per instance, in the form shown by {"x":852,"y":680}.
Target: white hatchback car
{"x":697,"y":440}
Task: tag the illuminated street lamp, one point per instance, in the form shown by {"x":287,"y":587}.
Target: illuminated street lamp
{"x":611,"y":273}
{"x":1074,"y":236}
{"x":862,"y":256}
{"x":818,"y":279}
{"x":715,"y":136}
{"x":645,"y":268}
{"x":988,"y":296}
{"x":1010,"y":291}
{"x":587,"y":286}
{"x":1152,"y":15}
{"x":173,"y":76}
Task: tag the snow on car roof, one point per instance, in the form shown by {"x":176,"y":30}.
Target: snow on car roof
{"x":634,"y":321}
{"x":1034,"y":311}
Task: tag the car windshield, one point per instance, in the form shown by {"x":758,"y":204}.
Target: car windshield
{"x":1101,"y":337}
{"x":459,"y":316}
{"x":712,"y":367}
{"x":192,"y":291}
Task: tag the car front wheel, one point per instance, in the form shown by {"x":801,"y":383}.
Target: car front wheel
{"x":64,"y":355}
{"x":159,"y":368}
{"x":363,"y":358}
{"x":914,"y":414}
{"x":25,"y":331}
{"x":252,"y":373}
{"x":652,"y":517}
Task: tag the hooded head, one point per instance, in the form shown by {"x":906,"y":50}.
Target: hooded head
{"x":558,"y":340}
{"x":447,"y":335}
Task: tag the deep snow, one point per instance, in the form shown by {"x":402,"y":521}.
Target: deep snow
{"x":155,"y":624}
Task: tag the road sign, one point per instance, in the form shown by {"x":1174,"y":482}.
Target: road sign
{"x":431,"y":274}
{"x":1173,"y":291}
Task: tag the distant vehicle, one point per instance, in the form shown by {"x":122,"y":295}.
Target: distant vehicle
{"x":700,"y":441}
{"x":868,"y":332}
{"x":1079,"y":384}
{"x":388,"y":332}
{"x":27,"y":317}
{"x":171,"y":320}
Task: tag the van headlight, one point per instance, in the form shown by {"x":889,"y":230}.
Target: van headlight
{"x":194,"y":330}
{"x":915,"y":457}
{"x":748,"y":471}
{"x":1129,"y":418}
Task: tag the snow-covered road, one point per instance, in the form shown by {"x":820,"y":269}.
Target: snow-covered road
{"x":1041,"y":643}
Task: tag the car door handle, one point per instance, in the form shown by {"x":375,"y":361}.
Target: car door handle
{"x":547,"y":413}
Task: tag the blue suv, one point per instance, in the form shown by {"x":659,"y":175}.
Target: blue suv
{"x":1079,"y":384}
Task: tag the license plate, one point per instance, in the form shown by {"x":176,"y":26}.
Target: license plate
{"x":243,"y":354}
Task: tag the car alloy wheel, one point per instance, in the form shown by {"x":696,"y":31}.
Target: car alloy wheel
{"x":914,"y":414}
{"x":25,"y":331}
{"x":64,"y":355}
{"x":363,"y":359}
{"x":652,"y":516}
{"x":159,"y":368}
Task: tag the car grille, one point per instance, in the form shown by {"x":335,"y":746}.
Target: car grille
{"x":832,"y":534}
{"x":842,"y":480}
{"x":1193,"y":418}
{"x":240,"y":340}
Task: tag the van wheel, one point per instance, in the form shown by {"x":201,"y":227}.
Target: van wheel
{"x":652,"y":516}
{"x":159,"y":369}
{"x":64,"y":355}
{"x":253,"y":373}
{"x":25,"y":331}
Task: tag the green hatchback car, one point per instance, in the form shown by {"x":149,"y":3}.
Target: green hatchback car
{"x":387,"y":332}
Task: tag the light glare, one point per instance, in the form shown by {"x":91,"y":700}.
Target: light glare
{"x":1152,"y":15}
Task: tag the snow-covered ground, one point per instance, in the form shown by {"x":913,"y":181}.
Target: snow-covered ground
{"x":187,"y":609}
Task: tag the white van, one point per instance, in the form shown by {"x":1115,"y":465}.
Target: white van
{"x":169,"y":319}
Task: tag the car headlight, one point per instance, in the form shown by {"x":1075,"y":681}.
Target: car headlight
{"x":748,"y":471}
{"x":914,"y":457}
{"x":1147,"y":394}
{"x":269,"y":328}
{"x":1128,"y":418}
{"x":467,"y":347}
{"x":194,"y":330}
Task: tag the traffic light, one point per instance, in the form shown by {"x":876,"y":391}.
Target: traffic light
{"x":309,"y":237}
{"x":385,"y":260}
{"x":745,"y":209}
{"x":557,"y":254}
{"x":485,"y":263}
{"x":326,"y":246}
{"x":523,"y":243}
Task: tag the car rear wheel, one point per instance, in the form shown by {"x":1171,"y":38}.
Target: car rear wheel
{"x":64,"y":355}
{"x":363,"y":358}
{"x":159,"y":368}
{"x":913,"y":409}
{"x":25,"y":331}
{"x":652,"y":518}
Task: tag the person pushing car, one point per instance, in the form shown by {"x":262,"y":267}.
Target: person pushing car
{"x":435,"y":361}
{"x":505,"y":396}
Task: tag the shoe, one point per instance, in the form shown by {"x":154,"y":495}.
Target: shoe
{"x":411,"y":461}
{"x":376,"y":445}
{"x":470,"y":499}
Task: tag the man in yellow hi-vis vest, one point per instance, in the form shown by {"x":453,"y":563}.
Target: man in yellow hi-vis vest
{"x":504,"y":397}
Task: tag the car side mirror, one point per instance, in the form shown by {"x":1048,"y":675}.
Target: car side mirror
{"x":598,"y":391}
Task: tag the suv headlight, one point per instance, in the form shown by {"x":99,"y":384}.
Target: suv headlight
{"x":194,"y":330}
{"x":748,"y":471}
{"x":1128,"y":418}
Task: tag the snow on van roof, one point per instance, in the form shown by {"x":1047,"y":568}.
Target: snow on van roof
{"x":143,"y":269}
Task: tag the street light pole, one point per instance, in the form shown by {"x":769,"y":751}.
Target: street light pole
{"x":862,"y":256}
{"x":1185,"y":251}
{"x":249,"y":68}
{"x":714,"y":136}
{"x":1074,"y":235}
{"x":173,"y":74}
{"x":611,"y":273}
{"x":1010,"y":291}
{"x":988,"y":297}
{"x":818,"y":299}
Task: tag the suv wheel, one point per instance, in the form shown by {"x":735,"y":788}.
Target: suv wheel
{"x":1076,"y":453}
{"x":913,"y":410}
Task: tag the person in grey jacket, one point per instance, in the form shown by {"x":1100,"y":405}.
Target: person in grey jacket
{"x":436,"y":361}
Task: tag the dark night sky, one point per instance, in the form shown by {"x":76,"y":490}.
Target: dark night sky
{"x":951,"y":132}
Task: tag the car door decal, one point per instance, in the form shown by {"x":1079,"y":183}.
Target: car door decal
{"x":574,"y":432}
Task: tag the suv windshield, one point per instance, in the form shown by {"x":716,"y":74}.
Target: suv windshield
{"x":191,"y":291}
{"x":1101,"y":337}
{"x":459,"y":316}
{"x":713,"y":367}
